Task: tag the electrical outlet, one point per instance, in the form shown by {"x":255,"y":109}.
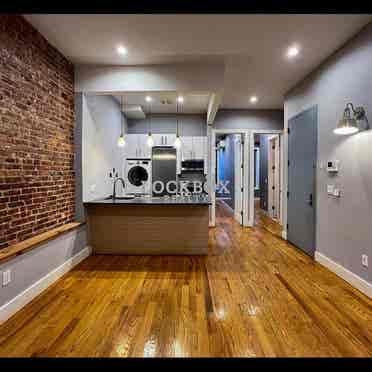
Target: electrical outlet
{"x":365,"y":260}
{"x":6,"y":277}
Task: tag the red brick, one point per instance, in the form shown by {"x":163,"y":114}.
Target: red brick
{"x":36,"y":133}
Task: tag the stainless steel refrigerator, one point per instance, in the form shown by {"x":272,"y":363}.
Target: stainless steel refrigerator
{"x":164,"y":169}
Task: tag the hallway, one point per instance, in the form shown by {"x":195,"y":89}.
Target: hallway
{"x":254,"y":295}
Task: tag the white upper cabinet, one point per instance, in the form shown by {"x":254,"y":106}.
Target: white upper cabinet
{"x":136,"y":146}
{"x":144,"y":150}
{"x":164,"y":139}
{"x":131,"y":146}
{"x":158,"y":139}
{"x":194,"y":147}
{"x":169,"y":139}
{"x":187,"y":148}
{"x":198,"y":145}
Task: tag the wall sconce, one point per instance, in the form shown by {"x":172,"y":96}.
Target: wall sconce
{"x":348,"y":124}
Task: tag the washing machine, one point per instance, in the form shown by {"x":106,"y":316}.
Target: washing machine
{"x":137,"y":176}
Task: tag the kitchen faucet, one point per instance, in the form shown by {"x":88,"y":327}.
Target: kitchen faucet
{"x":116,"y":178}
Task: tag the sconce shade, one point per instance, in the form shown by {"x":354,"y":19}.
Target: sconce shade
{"x":347,"y":125}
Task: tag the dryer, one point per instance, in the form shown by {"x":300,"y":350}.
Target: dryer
{"x":137,"y":176}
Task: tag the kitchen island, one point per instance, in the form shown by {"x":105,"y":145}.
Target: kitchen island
{"x":149,"y":226}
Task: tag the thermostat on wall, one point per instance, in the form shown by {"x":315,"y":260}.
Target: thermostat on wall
{"x":332,"y":166}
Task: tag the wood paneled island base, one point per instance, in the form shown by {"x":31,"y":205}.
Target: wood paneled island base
{"x":131,"y":229}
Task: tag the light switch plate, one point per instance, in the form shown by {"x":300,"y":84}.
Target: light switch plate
{"x":364,"y":260}
{"x":336,"y":192}
{"x":330,"y":189}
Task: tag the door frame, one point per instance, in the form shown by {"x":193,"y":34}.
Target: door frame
{"x":212,"y":179}
{"x":279,"y":132}
{"x":238,"y":178}
{"x":274,"y":178}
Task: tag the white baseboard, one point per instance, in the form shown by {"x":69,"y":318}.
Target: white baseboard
{"x":355,"y":280}
{"x":284,"y":234}
{"x":15,"y":304}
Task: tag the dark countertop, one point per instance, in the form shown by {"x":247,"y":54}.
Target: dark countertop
{"x":152,"y":201}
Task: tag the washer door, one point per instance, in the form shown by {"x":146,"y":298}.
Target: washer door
{"x":137,"y":175}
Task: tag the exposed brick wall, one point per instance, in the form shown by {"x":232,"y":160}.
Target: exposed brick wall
{"x":36,"y":133}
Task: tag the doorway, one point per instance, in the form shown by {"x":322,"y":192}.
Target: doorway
{"x":266,"y":175}
{"x":302,"y":159}
{"x":229,"y":172}
{"x":239,"y":177}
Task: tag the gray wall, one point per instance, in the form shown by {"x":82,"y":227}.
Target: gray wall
{"x":249,"y":119}
{"x":343,"y":226}
{"x":30,"y":267}
{"x":188,"y":124}
{"x":101,"y":123}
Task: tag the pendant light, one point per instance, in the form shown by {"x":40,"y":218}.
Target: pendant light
{"x":177,"y":142}
{"x":150,"y":140}
{"x":121,"y":139}
{"x":348,"y":124}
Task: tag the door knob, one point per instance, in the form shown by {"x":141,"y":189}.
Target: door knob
{"x":310,"y":200}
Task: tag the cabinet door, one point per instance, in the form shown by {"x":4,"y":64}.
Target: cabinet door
{"x":198,"y":147}
{"x":158,"y":139}
{"x":144,"y":151}
{"x":131,"y":146}
{"x":169,"y":139}
{"x":187,"y":149}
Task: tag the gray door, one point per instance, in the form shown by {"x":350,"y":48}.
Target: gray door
{"x":302,"y":149}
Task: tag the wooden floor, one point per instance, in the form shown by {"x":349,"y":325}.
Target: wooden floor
{"x":262,"y":219}
{"x":254,"y":295}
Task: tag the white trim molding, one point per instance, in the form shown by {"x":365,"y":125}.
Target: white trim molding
{"x":353,"y":279}
{"x":22,"y":299}
{"x":284,"y":234}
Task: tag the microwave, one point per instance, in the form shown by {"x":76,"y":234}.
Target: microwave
{"x":195,"y":165}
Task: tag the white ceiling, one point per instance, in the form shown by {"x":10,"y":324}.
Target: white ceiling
{"x":165,"y":102}
{"x":253,"y":47}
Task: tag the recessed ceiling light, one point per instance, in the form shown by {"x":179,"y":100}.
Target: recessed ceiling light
{"x":180,"y":99}
{"x":148,"y":99}
{"x":253,"y":99}
{"x":292,"y":51}
{"x":121,"y":50}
